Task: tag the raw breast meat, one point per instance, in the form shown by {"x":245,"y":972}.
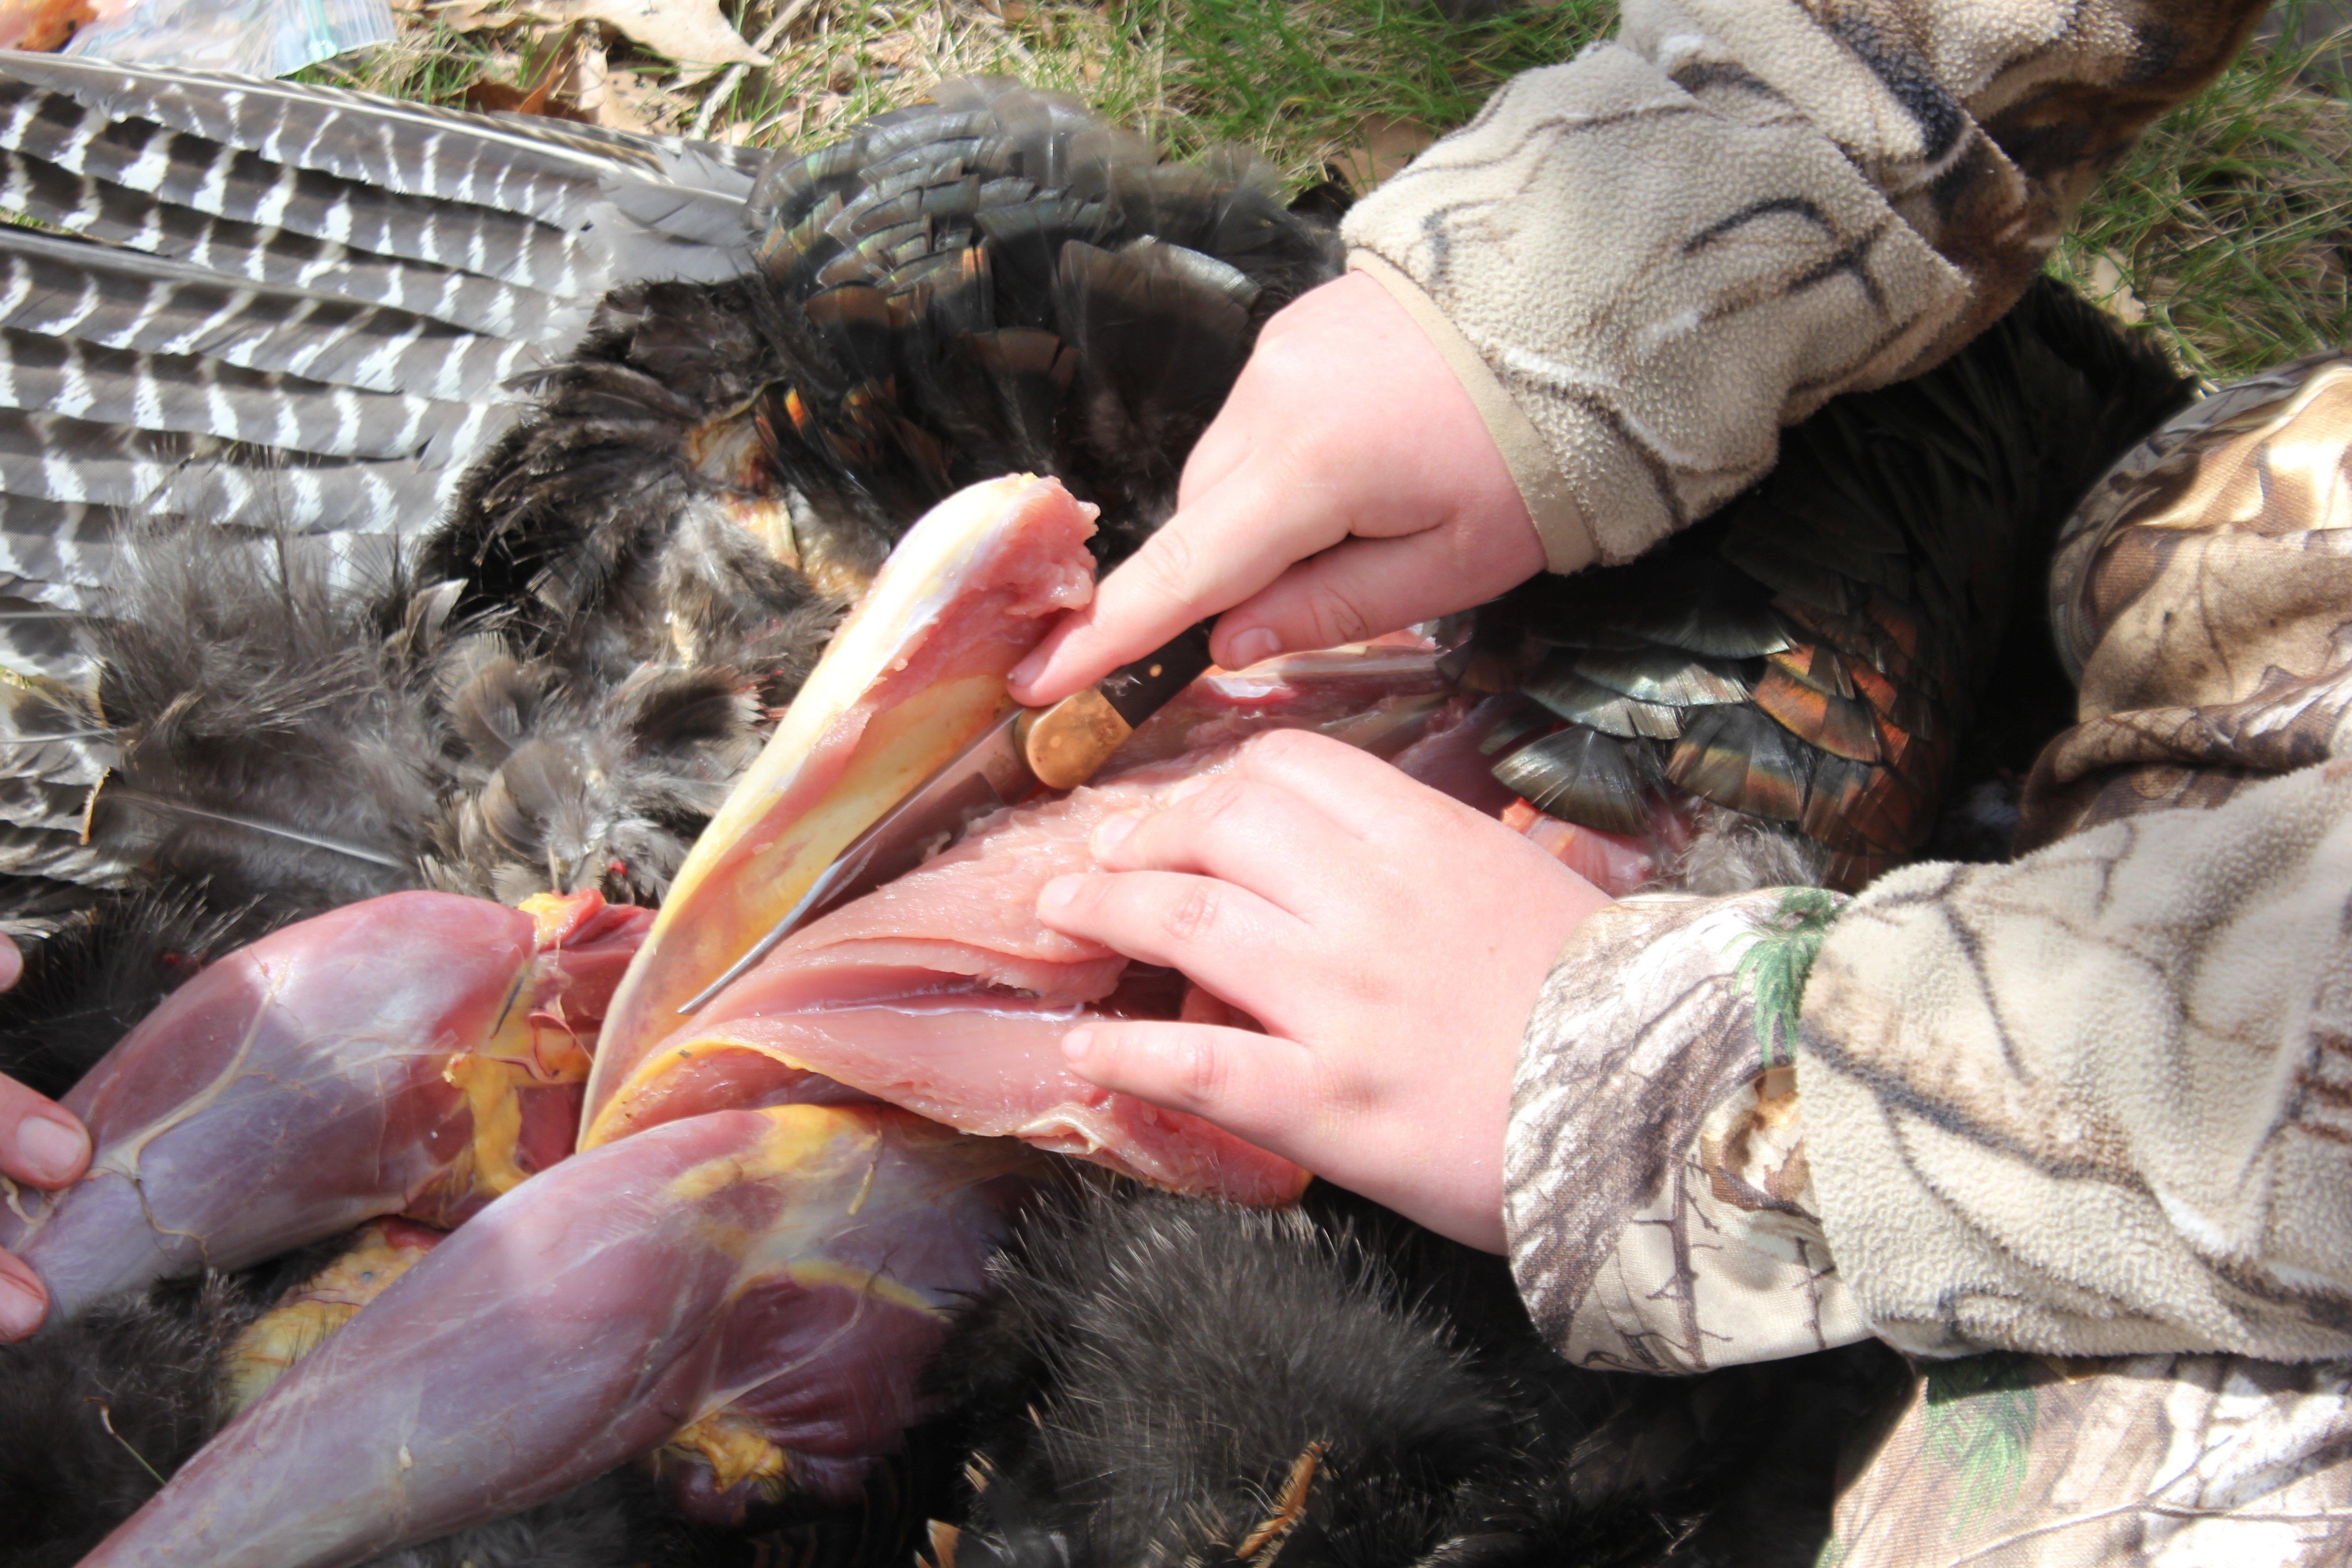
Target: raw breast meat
{"x":915,"y":673}
{"x":943,"y":992}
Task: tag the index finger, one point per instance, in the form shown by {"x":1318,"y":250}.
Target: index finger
{"x":1371,"y":799}
{"x":40,"y":1142}
{"x":1209,"y":557}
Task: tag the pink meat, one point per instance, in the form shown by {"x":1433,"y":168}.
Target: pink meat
{"x":325,"y":1075}
{"x":995,"y":605}
{"x":942,"y":993}
{"x":781,"y":1277}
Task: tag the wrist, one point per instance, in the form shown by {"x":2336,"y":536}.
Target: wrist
{"x":1558,"y":523}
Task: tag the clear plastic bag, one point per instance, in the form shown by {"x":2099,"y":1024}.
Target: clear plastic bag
{"x":259,"y":37}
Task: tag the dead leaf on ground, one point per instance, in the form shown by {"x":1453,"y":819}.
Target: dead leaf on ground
{"x":551,"y":91}
{"x":2111,"y":290}
{"x":892,"y":50}
{"x":691,"y":32}
{"x":1383,"y":146}
{"x":459,"y":16}
{"x":624,"y":100}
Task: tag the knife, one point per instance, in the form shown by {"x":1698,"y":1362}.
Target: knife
{"x":1027,"y":750}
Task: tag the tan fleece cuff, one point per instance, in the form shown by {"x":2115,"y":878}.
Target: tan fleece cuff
{"x":1567,"y":541}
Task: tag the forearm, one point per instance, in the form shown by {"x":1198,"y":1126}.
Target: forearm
{"x":2089,"y":1102}
{"x":1664,"y":250}
{"x":1657,"y":1201}
{"x":2094,"y":1102}
{"x":2103,"y":1094}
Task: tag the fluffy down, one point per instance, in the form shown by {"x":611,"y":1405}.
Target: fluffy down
{"x":1164,"y":1380}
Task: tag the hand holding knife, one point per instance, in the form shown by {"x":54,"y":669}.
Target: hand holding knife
{"x":1027,"y":750}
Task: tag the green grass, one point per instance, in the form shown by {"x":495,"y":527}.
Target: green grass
{"x":2230,"y":223}
{"x":1298,"y":83}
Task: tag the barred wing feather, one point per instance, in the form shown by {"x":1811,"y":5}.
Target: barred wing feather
{"x":264,"y":305}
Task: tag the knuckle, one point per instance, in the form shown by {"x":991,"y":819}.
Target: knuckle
{"x":1166,"y":565}
{"x":1198,"y":1071}
{"x":1335,"y":616}
{"x":1215,"y":802}
{"x":1312,"y":464}
{"x":1192,"y":914}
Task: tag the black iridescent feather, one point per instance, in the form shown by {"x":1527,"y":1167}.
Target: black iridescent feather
{"x":1815,"y":656}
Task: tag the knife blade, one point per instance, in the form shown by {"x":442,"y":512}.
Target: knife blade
{"x":1025,"y":751}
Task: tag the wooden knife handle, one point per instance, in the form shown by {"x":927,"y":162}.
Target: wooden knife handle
{"x":1139,"y":691}
{"x":1066,"y":742}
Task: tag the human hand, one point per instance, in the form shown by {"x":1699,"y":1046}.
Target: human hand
{"x":1390,"y":941}
{"x":39,"y":1145}
{"x":1348,"y":488}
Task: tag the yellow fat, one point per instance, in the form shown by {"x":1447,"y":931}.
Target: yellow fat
{"x":492,"y":1078}
{"x":735,"y":1450}
{"x":274,"y":1341}
{"x":797,"y":1138}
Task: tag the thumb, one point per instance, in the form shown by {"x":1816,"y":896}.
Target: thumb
{"x":1368,"y":586}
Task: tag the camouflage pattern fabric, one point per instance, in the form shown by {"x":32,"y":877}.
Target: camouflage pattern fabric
{"x":2088,"y":1111}
{"x":2202,"y":596}
{"x":1643,"y":262}
{"x":1660,"y":1207}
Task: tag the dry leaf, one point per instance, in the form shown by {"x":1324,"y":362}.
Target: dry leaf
{"x":498,"y":98}
{"x":815,"y":116}
{"x":2112,"y":291}
{"x":624,"y":100}
{"x":549,"y":92}
{"x":691,"y":32}
{"x":459,"y":16}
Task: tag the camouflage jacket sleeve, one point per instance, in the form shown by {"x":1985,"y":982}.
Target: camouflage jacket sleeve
{"x":1645,"y":261}
{"x":2095,"y":1102}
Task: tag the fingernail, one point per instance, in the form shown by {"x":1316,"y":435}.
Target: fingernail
{"x":50,"y":1150}
{"x":1032,"y":664}
{"x":1253,"y":645}
{"x":21,"y":1311}
{"x":12,"y":963}
{"x":1058,"y":893}
{"x":1112,"y":831}
{"x":1076,"y":1044}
